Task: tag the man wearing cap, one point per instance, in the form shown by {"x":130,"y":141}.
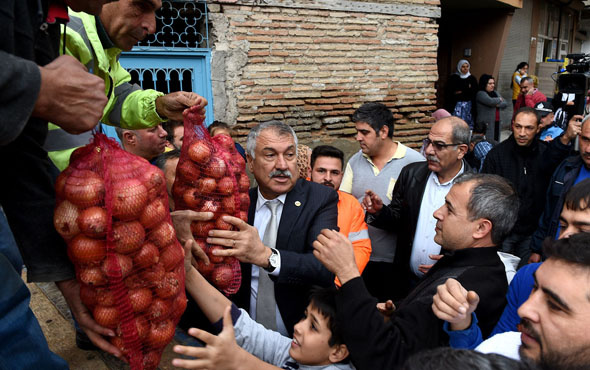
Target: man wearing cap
{"x":528,"y":163}
{"x":547,"y":127}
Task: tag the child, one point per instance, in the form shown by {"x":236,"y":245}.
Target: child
{"x":316,"y":343}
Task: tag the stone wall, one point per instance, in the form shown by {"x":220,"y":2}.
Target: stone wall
{"x":311,"y":63}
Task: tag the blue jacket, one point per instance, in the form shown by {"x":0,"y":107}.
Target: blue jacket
{"x":562,"y":180}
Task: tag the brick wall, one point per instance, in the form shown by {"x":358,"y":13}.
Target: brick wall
{"x":311,"y":67}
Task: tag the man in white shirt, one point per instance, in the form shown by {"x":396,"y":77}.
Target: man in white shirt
{"x":302,"y":210}
{"x":419,"y":190}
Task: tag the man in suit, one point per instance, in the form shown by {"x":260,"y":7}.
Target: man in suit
{"x":303,"y":209}
{"x":419,"y":190}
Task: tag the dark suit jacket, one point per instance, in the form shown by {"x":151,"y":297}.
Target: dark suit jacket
{"x":401,"y":216}
{"x":298,"y":229}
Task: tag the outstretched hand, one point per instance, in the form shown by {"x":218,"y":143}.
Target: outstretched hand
{"x":453,"y":303}
{"x":69,"y":96}
{"x":371,"y":202}
{"x":335,"y":252}
{"x":244,"y":244}
{"x":182,"y":225}
{"x":172,"y":105}
{"x":221,"y":351}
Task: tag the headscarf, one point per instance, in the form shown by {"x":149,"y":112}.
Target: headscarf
{"x":483,"y":83}
{"x":461,"y":62}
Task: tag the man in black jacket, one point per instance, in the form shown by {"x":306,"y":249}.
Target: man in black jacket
{"x":571,"y":171}
{"x":528,"y":163}
{"x":478,"y":213}
{"x":36,"y":86}
{"x":419,"y":190}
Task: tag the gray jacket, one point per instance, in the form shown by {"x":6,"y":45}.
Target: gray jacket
{"x":486,"y":109}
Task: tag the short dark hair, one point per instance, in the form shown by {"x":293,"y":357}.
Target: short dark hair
{"x":376,"y":115}
{"x":480,"y":127}
{"x":324,"y":300}
{"x":574,"y":250}
{"x":528,"y":110}
{"x":494,"y":199}
{"x":161,"y":160}
{"x":215,"y":125}
{"x":169,"y":126}
{"x":446,"y":358}
{"x":578,"y":197}
{"x":326,"y":151}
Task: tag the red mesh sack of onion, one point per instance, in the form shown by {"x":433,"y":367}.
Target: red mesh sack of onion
{"x":211,"y":177}
{"x":112,"y":210}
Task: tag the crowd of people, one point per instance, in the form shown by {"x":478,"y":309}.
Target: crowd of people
{"x":472,"y":253}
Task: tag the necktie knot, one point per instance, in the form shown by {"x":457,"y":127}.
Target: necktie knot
{"x":272,"y":205}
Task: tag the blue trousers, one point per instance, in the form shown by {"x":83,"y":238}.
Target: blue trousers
{"x":22,"y":343}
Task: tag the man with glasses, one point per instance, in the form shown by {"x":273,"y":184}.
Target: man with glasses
{"x":419,"y":190}
{"x":528,"y":163}
{"x":377,"y":167}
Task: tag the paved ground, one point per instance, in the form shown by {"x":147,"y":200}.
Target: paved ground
{"x":49,"y":306}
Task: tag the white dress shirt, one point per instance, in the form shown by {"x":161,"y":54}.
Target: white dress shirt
{"x":424,"y":244}
{"x":261,"y":219}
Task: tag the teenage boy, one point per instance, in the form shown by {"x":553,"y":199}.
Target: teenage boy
{"x":316,"y":342}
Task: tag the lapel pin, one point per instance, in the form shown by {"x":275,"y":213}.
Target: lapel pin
{"x":297,"y":203}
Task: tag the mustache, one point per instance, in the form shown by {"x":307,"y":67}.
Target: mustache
{"x":328,"y":183}
{"x":277,"y":173}
{"x":432,"y":158}
{"x":526,"y":326}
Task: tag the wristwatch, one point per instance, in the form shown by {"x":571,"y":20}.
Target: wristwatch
{"x":273,"y":260}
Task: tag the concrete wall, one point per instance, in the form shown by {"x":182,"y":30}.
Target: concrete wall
{"x":311,"y":63}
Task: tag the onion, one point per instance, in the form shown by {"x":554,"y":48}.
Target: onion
{"x":65,"y":220}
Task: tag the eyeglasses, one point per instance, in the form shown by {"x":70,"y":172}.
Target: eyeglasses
{"x":437,"y":145}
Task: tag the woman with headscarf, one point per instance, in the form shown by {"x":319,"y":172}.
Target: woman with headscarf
{"x":489,"y":103}
{"x":461,"y":90}
{"x":521,"y":71}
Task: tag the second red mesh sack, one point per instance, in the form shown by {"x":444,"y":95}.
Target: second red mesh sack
{"x":112,"y":210}
{"x":211,"y":177}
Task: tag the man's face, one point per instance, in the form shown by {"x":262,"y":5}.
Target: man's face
{"x":555,"y":321}
{"x":441,"y":158}
{"x":453,"y":228}
{"x":327,"y":171}
{"x":310,"y":339}
{"x":526,"y":86}
{"x":170,"y":176}
{"x":584,"y":141}
{"x":149,"y":143}
{"x":275,"y":163}
{"x":546,"y":121}
{"x":525,"y":127}
{"x":369,"y":140}
{"x":88,"y":6}
{"x":127,"y":22}
{"x":573,"y":222}
{"x":178,"y":136}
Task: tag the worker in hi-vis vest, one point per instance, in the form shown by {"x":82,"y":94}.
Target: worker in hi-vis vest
{"x":97,"y":42}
